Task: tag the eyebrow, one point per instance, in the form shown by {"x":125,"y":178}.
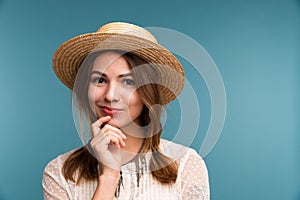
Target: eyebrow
{"x":120,"y":76}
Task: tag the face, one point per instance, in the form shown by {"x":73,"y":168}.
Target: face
{"x":112,"y":90}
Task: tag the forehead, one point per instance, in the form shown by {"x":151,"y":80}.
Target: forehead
{"x":111,"y":62}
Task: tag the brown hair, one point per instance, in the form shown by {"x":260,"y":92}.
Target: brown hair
{"x":81,"y":164}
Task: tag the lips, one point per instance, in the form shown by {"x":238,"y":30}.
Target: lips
{"x":111,"y":111}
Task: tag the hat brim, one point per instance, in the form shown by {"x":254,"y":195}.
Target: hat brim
{"x":69,"y":56}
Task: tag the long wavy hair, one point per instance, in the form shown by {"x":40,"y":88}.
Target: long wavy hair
{"x":82,"y":165}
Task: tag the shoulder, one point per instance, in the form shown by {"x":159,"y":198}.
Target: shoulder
{"x":189,"y":162}
{"x":55,"y":165}
{"x":193,"y":176}
{"x":55,"y":186}
{"x":179,"y":152}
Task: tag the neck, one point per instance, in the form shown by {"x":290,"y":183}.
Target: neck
{"x":134,"y":142}
{"x":135,"y":137}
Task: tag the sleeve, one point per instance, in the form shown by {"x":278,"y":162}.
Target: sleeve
{"x":194,"y":178}
{"x":54,"y":184}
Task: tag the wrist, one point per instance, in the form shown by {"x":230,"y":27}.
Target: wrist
{"x":107,"y":185}
{"x":109,"y":179}
{"x":111,"y":172}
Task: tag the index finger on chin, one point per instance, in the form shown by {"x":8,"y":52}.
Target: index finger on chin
{"x":96,"y":125}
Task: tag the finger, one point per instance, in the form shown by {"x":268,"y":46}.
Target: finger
{"x":100,"y":140}
{"x":98,"y":123}
{"x":102,"y":120}
{"x":116,"y":130}
{"x":119,"y":142}
{"x":114,"y":140}
{"x":105,"y":137}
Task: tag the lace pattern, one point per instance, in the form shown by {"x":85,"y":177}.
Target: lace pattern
{"x":192,"y":182}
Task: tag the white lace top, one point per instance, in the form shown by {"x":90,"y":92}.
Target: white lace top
{"x":192,"y":180}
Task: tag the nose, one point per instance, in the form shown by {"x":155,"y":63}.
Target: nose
{"x":111,"y":94}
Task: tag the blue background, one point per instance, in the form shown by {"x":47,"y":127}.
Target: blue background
{"x":255,"y":44}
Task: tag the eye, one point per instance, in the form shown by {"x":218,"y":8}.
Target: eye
{"x":98,"y":80}
{"x":129,"y":82}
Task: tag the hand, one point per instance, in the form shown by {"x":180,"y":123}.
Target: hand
{"x":106,"y":144}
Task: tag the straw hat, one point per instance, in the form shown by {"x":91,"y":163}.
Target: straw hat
{"x":125,"y":37}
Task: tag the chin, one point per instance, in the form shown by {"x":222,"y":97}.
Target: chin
{"x":116,"y":123}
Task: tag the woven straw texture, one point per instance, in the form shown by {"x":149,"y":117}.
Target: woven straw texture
{"x":125,"y":37}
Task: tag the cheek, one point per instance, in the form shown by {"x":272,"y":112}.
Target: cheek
{"x":93,"y":94}
{"x":135,"y":105}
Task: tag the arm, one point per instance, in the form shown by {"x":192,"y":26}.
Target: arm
{"x":107,"y":185}
{"x":53,"y":184}
{"x":108,"y":155}
{"x":195,"y":183}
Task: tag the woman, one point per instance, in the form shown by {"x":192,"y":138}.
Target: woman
{"x":121,"y":79}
